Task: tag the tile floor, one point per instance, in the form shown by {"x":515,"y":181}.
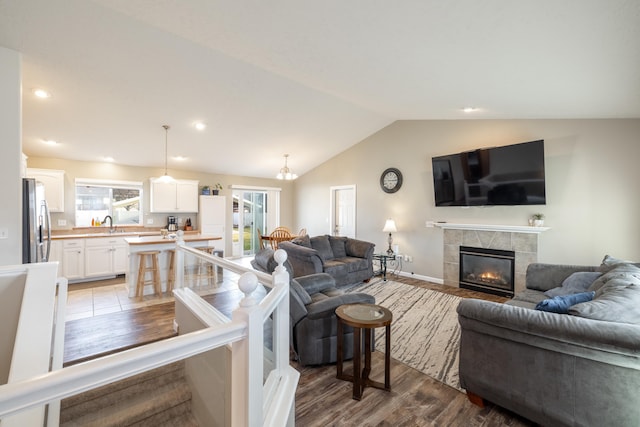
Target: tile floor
{"x":103,"y":299}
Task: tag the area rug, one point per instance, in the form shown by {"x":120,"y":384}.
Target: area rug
{"x":425,"y":333}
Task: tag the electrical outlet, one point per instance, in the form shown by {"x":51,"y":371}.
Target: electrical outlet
{"x":180,"y":220}
{"x":149,"y":221}
{"x":62,"y":223}
{"x":4,"y":233}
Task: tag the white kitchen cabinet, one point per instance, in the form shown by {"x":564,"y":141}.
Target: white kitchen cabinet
{"x":105,"y":256}
{"x":212,"y":218}
{"x":53,"y":181}
{"x":177,"y":196}
{"x":55,"y":254}
{"x":73,"y":259}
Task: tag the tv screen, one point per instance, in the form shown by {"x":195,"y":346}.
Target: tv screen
{"x":509,"y":175}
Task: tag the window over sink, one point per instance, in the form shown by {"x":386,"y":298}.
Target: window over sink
{"x":95,"y":199}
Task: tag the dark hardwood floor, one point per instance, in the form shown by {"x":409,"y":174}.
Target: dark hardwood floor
{"x":321,"y":400}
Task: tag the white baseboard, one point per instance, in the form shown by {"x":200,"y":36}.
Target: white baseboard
{"x":420,"y":277}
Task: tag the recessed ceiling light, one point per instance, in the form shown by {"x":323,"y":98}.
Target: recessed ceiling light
{"x":199,"y":125}
{"x":108,"y":159}
{"x":50,"y":142}
{"x":469,"y":109}
{"x":180,"y":158}
{"x":41,"y":93}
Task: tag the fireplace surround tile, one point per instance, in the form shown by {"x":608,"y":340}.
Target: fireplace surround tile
{"x":525,"y":242}
{"x":453,"y":237}
{"x":525,"y":246}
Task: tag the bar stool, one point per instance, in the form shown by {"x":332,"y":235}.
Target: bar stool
{"x":171,"y":273}
{"x":143,"y":269}
{"x":205,"y":270}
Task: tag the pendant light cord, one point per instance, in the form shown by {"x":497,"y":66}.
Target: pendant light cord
{"x":166,"y":138}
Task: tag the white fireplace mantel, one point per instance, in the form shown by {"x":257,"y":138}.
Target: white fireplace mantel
{"x":492,"y":227}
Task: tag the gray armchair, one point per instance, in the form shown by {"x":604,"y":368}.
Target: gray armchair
{"x":313,"y":323}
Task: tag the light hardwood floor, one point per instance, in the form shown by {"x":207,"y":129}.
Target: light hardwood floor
{"x":321,"y":400}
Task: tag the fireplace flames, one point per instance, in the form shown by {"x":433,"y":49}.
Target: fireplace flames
{"x":491,"y":277}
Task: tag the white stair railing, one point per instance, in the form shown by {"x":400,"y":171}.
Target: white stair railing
{"x":243,"y":332}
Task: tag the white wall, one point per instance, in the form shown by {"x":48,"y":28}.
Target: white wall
{"x":11,"y":158}
{"x":591,"y":180}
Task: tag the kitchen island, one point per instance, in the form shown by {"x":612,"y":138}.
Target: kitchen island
{"x":162,"y":244}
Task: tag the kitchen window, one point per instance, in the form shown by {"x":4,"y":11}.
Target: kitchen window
{"x":122,"y":200}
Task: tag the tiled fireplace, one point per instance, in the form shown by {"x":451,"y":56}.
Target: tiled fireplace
{"x":523,"y":241}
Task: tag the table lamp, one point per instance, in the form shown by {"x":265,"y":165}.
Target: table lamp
{"x":390,"y":227}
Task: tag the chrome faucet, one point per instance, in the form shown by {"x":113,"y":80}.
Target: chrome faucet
{"x":111,"y":227}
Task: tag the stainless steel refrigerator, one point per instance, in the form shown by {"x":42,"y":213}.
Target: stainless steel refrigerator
{"x":36,"y":223}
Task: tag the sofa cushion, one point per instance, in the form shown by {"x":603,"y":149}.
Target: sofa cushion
{"x":528,"y":296}
{"x":561,"y":303}
{"x":625,"y":271}
{"x":322,"y":246}
{"x":302,"y":241}
{"x":354,"y":264}
{"x":575,"y":283}
{"x":338,"y":246}
{"x":619,"y":302}
{"x":336,"y":268}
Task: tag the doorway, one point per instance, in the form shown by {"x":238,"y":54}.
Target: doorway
{"x":343,"y":211}
{"x":254,"y":211}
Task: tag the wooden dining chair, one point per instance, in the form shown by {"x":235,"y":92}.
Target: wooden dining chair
{"x":282,"y":228}
{"x":262,"y":242}
{"x":279,"y":235}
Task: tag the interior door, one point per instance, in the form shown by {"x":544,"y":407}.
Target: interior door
{"x":343,"y":211}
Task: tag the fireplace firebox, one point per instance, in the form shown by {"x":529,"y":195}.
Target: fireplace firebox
{"x":487,"y":270}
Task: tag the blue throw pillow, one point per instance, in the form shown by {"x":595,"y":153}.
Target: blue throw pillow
{"x":560,"y":304}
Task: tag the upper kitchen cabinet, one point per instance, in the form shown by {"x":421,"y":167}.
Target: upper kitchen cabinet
{"x":178,"y":196}
{"x":53,"y":181}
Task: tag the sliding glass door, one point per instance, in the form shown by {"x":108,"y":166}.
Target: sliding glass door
{"x":249,"y":216}
{"x":255,"y":211}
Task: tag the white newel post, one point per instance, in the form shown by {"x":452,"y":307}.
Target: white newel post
{"x":246,"y":371}
{"x":281,"y":315}
{"x":178,"y":267}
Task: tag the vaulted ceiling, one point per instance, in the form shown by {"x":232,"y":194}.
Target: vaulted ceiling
{"x":304,"y":78}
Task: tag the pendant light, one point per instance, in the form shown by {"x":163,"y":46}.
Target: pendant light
{"x":166,"y":177}
{"x":285,"y":173}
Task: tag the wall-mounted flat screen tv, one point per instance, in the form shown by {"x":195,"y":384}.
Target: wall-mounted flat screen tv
{"x":509,"y":175}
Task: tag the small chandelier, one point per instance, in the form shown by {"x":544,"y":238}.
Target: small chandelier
{"x":166,"y":177}
{"x":285,"y":172}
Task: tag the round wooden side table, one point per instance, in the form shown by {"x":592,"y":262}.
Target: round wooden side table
{"x":363,"y":317}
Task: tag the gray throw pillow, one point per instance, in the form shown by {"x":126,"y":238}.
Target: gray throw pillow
{"x":609,"y":263}
{"x":620,"y":302}
{"x":322,"y":245}
{"x":575,"y":283}
{"x":338,"y":246}
{"x":622,"y":271}
{"x":302,"y":241}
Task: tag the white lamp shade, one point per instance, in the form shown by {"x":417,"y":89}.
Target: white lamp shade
{"x":390,"y":226}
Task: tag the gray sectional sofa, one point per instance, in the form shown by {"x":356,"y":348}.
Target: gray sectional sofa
{"x":347,"y":260}
{"x":576,"y":369}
